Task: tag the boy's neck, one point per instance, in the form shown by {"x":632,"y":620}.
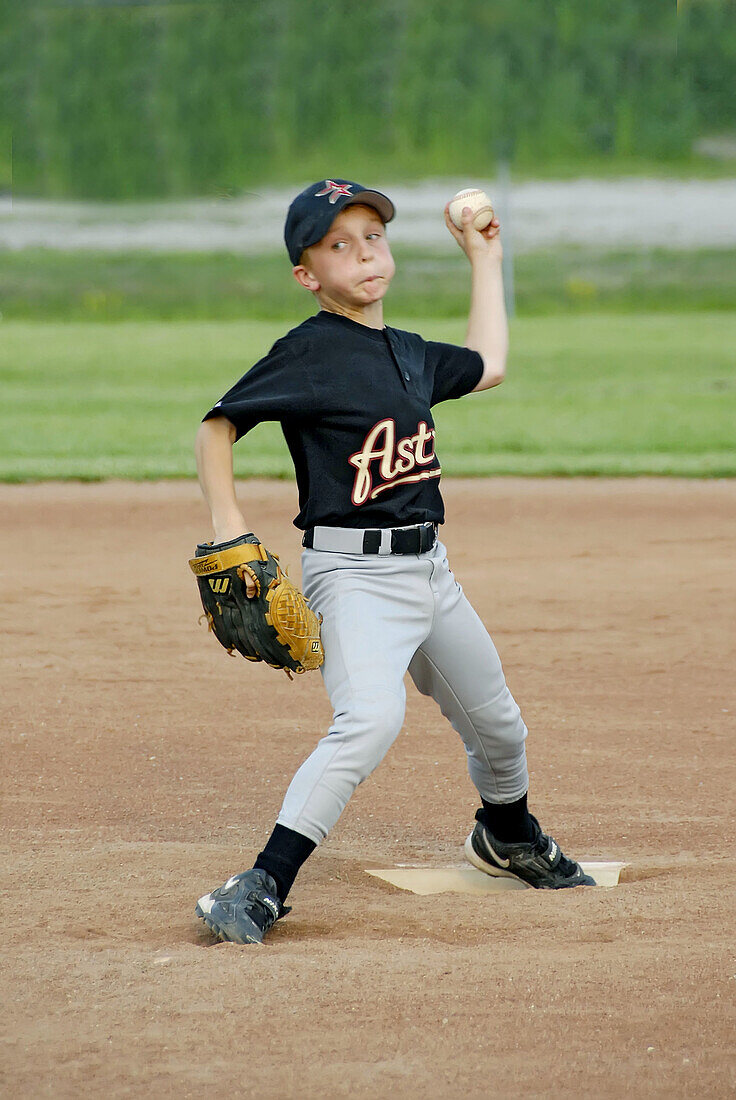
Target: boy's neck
{"x":371,"y":316}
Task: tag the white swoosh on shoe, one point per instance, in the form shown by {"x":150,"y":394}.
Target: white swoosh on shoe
{"x":496,"y":856}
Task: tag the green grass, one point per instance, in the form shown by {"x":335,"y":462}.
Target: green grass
{"x":594,"y":394}
{"x":43,"y":284}
{"x":369,"y":163}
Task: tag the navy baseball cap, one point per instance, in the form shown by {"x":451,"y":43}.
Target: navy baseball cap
{"x":314,"y":210}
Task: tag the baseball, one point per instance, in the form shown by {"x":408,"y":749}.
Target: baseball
{"x":478,"y":202}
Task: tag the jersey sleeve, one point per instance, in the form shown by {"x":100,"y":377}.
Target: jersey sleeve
{"x":455,"y":370}
{"x":276,"y":388}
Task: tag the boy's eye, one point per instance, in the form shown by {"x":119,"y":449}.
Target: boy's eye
{"x":338,"y":246}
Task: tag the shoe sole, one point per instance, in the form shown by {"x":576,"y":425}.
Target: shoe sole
{"x":204,"y":914}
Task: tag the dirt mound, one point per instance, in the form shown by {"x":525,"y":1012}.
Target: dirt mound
{"x":142,"y":766}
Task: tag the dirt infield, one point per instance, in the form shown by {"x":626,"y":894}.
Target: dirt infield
{"x":142,"y":766}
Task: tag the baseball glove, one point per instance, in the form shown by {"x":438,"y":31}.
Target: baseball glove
{"x":275,"y":625}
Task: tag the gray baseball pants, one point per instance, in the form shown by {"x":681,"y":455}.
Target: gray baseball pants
{"x":383,"y":615}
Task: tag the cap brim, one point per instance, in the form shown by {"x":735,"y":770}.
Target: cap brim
{"x":379,"y":202}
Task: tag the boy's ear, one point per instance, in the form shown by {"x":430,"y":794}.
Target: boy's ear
{"x":305,"y":278}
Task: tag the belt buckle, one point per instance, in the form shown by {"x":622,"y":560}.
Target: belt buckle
{"x":427,"y":536}
{"x":410,"y":541}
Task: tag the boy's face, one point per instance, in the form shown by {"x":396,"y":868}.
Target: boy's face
{"x":352,"y":265}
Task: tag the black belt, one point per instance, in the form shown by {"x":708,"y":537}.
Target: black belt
{"x":403,"y":540}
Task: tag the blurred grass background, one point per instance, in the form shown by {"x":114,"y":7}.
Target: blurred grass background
{"x":136,"y":98}
{"x":46,"y":284}
{"x":622,"y":359}
{"x":652,"y":393}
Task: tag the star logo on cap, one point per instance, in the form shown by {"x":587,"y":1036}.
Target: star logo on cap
{"x":333,"y":190}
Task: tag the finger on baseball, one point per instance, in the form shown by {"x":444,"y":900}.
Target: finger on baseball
{"x":457,"y":233}
{"x":468,"y":217}
{"x":448,"y":219}
{"x":492,"y":229}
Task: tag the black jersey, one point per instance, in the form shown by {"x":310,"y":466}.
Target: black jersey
{"x":354,"y":406}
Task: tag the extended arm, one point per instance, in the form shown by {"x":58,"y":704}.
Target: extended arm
{"x":214,"y":452}
{"x":488,"y":331}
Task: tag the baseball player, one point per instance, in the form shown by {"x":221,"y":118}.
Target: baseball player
{"x":354,"y":398}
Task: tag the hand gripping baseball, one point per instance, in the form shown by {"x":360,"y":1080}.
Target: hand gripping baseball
{"x":274,"y":625}
{"x":475,"y":242}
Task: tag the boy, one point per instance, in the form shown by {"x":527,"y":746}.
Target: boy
{"x":354,"y":401}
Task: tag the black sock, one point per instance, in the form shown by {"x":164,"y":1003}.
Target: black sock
{"x":508,"y":821}
{"x":282,"y":857}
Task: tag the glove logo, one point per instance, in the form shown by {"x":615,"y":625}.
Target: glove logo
{"x":219,"y":584}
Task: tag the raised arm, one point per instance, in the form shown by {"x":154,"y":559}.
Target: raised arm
{"x":488,"y":330}
{"x":214,"y":452}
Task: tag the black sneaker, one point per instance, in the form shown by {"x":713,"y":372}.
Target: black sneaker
{"x":539,"y":863}
{"x":244,"y":909}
